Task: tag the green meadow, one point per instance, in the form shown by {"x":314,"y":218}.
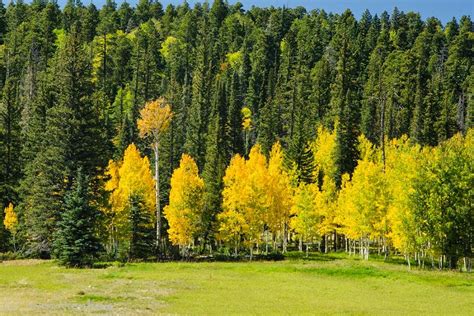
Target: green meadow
{"x":320,"y":284}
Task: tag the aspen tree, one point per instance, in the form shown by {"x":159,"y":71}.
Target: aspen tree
{"x":185,"y":209}
{"x":155,"y":119}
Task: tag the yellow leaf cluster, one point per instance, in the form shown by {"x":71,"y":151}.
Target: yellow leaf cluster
{"x":306,"y":220}
{"x":155,"y":118}
{"x":279,"y":190}
{"x":324,"y":153}
{"x":402,"y":162}
{"x":129,"y":177}
{"x":185,"y":209}
{"x":256,"y":194}
{"x":170,"y":47}
{"x":235,"y":60}
{"x":10,"y":221}
{"x":363,"y":202}
{"x":247,"y":119}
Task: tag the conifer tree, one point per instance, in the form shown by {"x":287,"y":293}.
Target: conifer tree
{"x":75,"y":242}
{"x":141,"y":232}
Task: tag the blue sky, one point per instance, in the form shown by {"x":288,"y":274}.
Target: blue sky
{"x":442,"y":9}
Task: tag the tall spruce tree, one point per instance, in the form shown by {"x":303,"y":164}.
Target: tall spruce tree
{"x":75,"y":239}
{"x":345,"y":98}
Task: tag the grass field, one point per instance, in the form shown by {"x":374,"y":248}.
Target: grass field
{"x":331,"y":284}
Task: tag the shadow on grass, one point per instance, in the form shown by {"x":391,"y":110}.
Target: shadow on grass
{"x":314,"y":256}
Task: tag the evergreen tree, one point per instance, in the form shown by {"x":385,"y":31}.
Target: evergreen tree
{"x":141,"y":239}
{"x":345,"y":98}
{"x":75,"y":241}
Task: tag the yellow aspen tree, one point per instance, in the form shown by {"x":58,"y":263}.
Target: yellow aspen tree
{"x":232,"y":221}
{"x":258,"y":200}
{"x":403,"y":159}
{"x":280,"y":193}
{"x":154,"y":120}
{"x":324,"y":152}
{"x":128,"y":178}
{"x":185,"y":209}
{"x":245,"y":199}
{"x":326,"y":200}
{"x":110,"y":210}
{"x":305,"y":220}
{"x":10,"y":222}
{"x":247,"y":126}
{"x":364,"y":200}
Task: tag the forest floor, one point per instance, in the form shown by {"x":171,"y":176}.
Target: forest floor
{"x":321,"y":284}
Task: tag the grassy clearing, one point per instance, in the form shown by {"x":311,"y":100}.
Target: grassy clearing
{"x":321,"y":284}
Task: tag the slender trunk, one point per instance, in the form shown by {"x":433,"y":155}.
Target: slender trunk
{"x":326,"y":244}
{"x":266,"y":242}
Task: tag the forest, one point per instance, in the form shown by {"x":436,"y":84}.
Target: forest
{"x":146,"y":132}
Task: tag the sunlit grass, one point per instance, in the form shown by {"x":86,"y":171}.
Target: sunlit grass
{"x":320,"y":284}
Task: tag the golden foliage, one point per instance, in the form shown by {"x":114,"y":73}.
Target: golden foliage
{"x":324,"y":152}
{"x":247,"y":119}
{"x":132,"y":176}
{"x":185,"y":209}
{"x":255,"y":195}
{"x":279,"y":190}
{"x":155,"y":118}
{"x":306,"y":220}
{"x":10,"y":221}
{"x":402,"y":162}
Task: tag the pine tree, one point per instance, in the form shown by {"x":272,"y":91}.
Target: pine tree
{"x":43,"y":187}
{"x":200,"y":105}
{"x":217,"y":155}
{"x":345,"y":98}
{"x":75,"y":242}
{"x":141,"y":231}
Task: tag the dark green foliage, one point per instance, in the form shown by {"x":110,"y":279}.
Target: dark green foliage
{"x":345,"y":96}
{"x":43,"y":187}
{"x":75,"y":241}
{"x":217,"y":157}
{"x":142,"y":232}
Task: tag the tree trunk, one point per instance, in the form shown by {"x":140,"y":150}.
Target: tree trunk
{"x":266,"y":242}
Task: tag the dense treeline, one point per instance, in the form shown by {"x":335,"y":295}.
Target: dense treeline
{"x":271,"y":127}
